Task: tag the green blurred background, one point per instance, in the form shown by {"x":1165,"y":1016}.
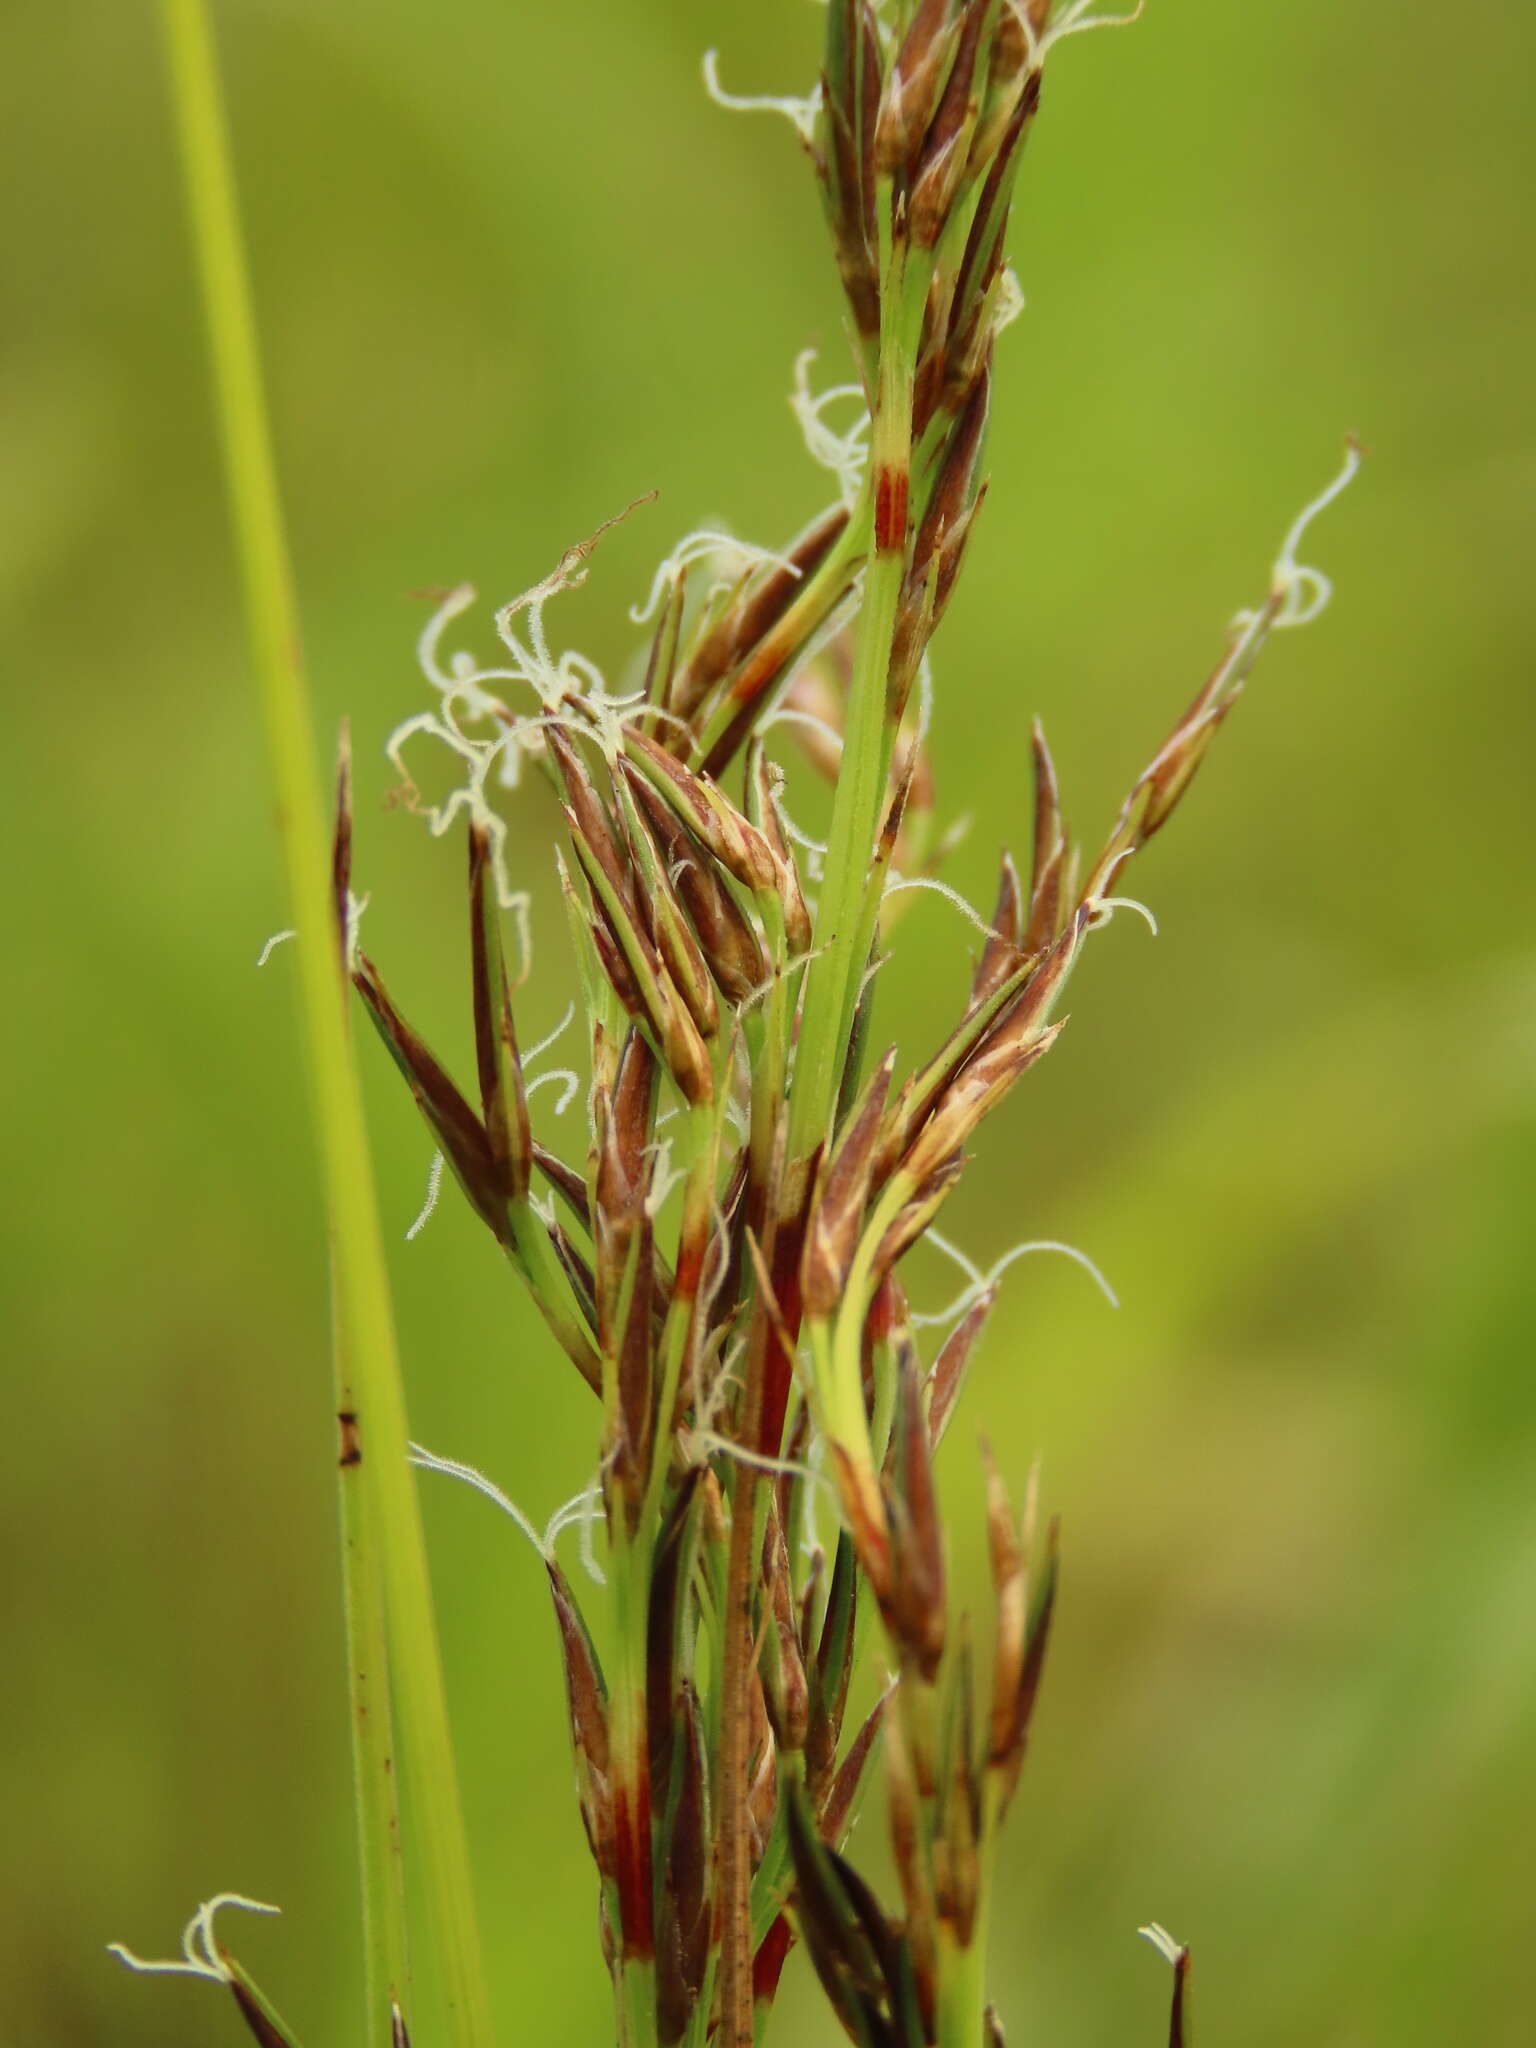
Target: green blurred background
{"x":512,"y":270}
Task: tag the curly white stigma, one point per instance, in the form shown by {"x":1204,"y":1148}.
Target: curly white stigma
{"x":428,"y":1207}
{"x":1102,"y":908}
{"x":730,"y":560}
{"x":845,"y":454}
{"x":464,"y":701}
{"x":980,"y":1283}
{"x":1074,"y":19}
{"x":1302,"y":592}
{"x":200,"y":1953}
{"x":478,"y":757}
{"x":356,"y":905}
{"x":581,"y":1509}
{"x":801,"y":113}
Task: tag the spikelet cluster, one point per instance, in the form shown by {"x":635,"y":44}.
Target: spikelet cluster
{"x":723,"y":1264}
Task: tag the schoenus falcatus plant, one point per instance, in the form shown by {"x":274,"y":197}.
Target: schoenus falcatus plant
{"x":722,"y":1260}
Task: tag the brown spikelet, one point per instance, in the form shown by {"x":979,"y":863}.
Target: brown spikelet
{"x":918,"y":1095}
{"x":727,"y":937}
{"x":709,"y":815}
{"x":971,"y":1097}
{"x":1006,"y":1758}
{"x":1010,"y":1592}
{"x":768,"y":1963}
{"x":593,"y":829}
{"x":948,"y":1375}
{"x":785,"y":1684}
{"x":913,"y":1604}
{"x":836,"y":1219}
{"x":984,"y":248}
{"x":587,"y":1706}
{"x":1003,"y":952}
{"x":850,"y":101}
{"x":453,"y":1123}
{"x":667,"y":1605}
{"x":1048,"y":863}
{"x":640,"y":976}
{"x":912,"y":88}
{"x":1020,"y":1033}
{"x":1009,"y":74}
{"x":261,"y":2022}
{"x":933,"y":1187}
{"x":945,"y":522}
{"x":661,"y":660}
{"x":941,"y":162}
{"x":683,"y":1931}
{"x":758,"y":604}
{"x":763,"y":805}
{"x":842,"y":1795}
{"x":855,"y":1952}
{"x":666,"y":923}
{"x":503,"y":1102}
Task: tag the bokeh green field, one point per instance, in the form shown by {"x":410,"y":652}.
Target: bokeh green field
{"x":513,"y":270}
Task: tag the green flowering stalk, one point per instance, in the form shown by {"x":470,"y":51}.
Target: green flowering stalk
{"x":721,"y":1258}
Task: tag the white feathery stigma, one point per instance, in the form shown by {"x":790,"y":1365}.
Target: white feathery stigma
{"x":801,"y":112}
{"x":200,"y":1954}
{"x":455,"y":1468}
{"x":569,"y":1082}
{"x":1102,"y":908}
{"x":845,"y":454}
{"x":980,"y":1283}
{"x":1074,"y":19}
{"x":1303,"y":592}
{"x":730,"y":560}
{"x":434,"y":1186}
{"x":898,"y":884}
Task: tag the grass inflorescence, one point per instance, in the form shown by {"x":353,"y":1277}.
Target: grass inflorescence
{"x":722,"y":1264}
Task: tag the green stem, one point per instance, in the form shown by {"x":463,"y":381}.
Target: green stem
{"x":833,"y":974}
{"x":836,"y":1343}
{"x":375,"y":1788}
{"x":363,"y":1301}
{"x":962,"y":2001}
{"x":835,"y":971}
{"x":629,"y":1565}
